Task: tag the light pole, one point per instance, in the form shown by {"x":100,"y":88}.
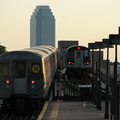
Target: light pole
{"x":107,"y":45}
{"x":99,"y":45}
{"x":92,"y":46}
{"x":115,"y":40}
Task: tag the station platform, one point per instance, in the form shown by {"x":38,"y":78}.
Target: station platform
{"x":65,"y":110}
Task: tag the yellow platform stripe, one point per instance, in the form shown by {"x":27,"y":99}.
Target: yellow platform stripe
{"x":55,"y":111}
{"x":43,"y":111}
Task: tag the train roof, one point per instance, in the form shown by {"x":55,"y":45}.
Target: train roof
{"x":43,"y":51}
{"x":77,"y":46}
{"x":30,"y":53}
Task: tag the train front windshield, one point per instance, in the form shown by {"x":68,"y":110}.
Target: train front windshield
{"x":20,"y":69}
{"x":78,"y":55}
{"x":70,"y":57}
{"x":4,"y":70}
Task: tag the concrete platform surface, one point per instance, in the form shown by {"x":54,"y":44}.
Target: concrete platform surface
{"x":64,"y":110}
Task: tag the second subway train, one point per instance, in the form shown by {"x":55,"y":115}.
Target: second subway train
{"x":78,"y":61}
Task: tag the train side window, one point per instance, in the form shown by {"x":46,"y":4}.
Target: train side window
{"x":20,"y":70}
{"x":4,"y":69}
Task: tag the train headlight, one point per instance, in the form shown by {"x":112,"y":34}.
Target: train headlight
{"x":69,"y":63}
{"x":32,"y":84}
{"x":7,"y":83}
{"x":88,"y":63}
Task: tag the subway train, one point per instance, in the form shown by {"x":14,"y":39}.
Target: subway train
{"x":27,"y":74}
{"x":78,"y":61}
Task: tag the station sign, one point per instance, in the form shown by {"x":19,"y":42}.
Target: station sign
{"x":92,"y":46}
{"x":114,"y":39}
{"x":106,"y":43}
{"x":99,"y":45}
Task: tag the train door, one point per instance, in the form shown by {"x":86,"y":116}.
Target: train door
{"x":20,"y":78}
{"x":78,"y":56}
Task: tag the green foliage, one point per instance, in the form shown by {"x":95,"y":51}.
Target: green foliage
{"x":2,"y":49}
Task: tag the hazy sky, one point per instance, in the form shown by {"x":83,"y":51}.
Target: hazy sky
{"x":83,"y":20}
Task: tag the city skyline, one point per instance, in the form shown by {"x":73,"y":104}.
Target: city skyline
{"x":82,"y":20}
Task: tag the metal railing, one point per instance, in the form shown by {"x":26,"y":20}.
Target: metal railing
{"x":107,"y":89}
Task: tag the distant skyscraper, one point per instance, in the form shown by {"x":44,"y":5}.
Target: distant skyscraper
{"x":42,"y":27}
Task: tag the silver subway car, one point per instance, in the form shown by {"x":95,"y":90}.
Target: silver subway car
{"x":27,"y":73}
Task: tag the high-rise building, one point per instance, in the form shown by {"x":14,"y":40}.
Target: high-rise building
{"x":42,"y":27}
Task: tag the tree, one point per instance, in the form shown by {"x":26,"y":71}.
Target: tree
{"x":2,"y":49}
